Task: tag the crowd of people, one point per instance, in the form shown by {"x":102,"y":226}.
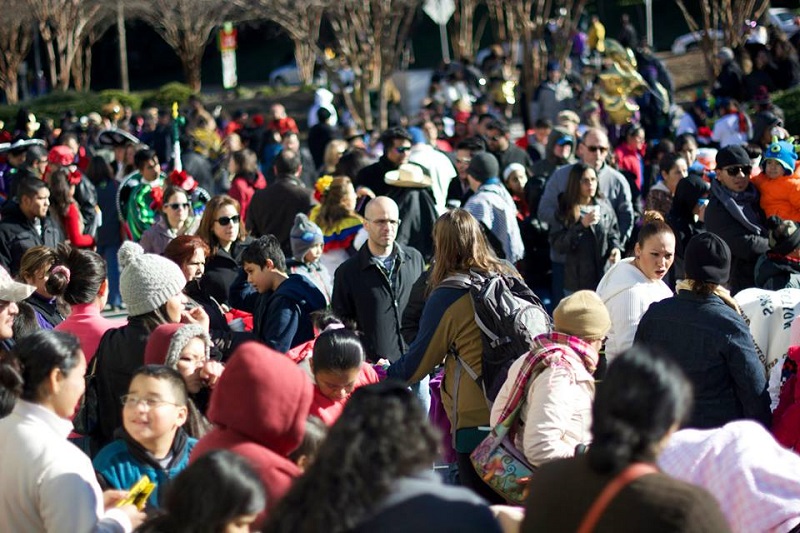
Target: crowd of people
{"x":303,"y":344}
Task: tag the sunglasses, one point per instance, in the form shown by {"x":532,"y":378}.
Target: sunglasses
{"x":224,"y":221}
{"x":601,"y":149}
{"x":402,"y":149}
{"x":733,"y":170}
{"x":175,"y":206}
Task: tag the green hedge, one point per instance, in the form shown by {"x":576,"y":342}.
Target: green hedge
{"x":53,"y":105}
{"x":789,"y":101}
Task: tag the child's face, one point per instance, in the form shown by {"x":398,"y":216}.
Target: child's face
{"x":517,"y":181}
{"x":337,"y":385}
{"x":190,"y":362}
{"x":150,"y":415}
{"x":313,"y":254}
{"x":773,"y":169}
{"x":259,"y":277}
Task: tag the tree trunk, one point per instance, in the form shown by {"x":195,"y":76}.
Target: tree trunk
{"x":77,"y":71}
{"x":305,"y":54}
{"x":11,"y":88}
{"x":51,"y":58}
{"x":191,"y":69}
{"x":383,"y":107}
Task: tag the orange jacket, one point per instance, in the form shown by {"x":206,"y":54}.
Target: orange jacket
{"x":780,"y":196}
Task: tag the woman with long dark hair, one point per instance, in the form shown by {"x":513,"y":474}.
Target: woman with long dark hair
{"x":642,"y":401}
{"x":65,"y":209}
{"x":46,"y":482}
{"x":247,"y":179}
{"x":586,"y":230}
{"x":373,"y":469}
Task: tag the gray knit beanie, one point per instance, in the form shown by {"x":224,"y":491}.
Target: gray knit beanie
{"x":181,"y":338}
{"x":303,"y":236}
{"x":147,"y":280}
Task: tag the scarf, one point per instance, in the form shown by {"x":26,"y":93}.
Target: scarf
{"x":739,"y":205}
{"x":723,"y":293}
{"x":549,"y":350}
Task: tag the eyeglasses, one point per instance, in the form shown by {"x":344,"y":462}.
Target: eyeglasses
{"x":178,"y":205}
{"x":402,"y":149}
{"x":495,"y":138}
{"x":601,"y":149}
{"x":733,"y":170}
{"x":385,"y":222}
{"x":130,"y":401}
{"x":463,"y":160}
{"x":224,"y":221}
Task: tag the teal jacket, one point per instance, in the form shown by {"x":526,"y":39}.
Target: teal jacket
{"x":124,"y":461}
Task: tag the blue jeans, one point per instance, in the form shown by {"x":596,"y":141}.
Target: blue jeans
{"x":109,"y":253}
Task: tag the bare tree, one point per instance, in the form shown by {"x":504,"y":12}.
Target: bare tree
{"x":727,"y":15}
{"x":301,"y":20}
{"x":370,"y":39}
{"x":16,"y":32}
{"x":63,"y":24}
{"x":82,"y":64}
{"x":463,"y":36}
{"x":187,"y":26}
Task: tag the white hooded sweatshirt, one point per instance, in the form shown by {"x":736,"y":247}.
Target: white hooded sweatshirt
{"x":627,"y":293}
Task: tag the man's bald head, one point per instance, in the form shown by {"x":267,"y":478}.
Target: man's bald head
{"x":382,"y":220}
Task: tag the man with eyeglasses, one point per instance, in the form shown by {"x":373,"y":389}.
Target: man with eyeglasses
{"x":593,"y":150}
{"x":396,"y":151}
{"x":734,"y":213}
{"x":372,"y":287}
{"x":459,"y":192}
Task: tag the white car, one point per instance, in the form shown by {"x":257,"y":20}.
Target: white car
{"x":691,"y":41}
{"x":785,"y":19}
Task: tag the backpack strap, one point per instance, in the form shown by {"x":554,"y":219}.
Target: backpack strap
{"x":530,"y":369}
{"x":623,"y":479}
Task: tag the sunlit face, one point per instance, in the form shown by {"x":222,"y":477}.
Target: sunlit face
{"x":656,"y":255}
{"x":678,"y":171}
{"x":588,"y":184}
{"x":151,"y":169}
{"x":190,"y":362}
{"x":36,"y":206}
{"x":382,"y":221}
{"x":463,"y":158}
{"x":594,"y":150}
{"x":149,"y":424}
{"x":229,"y":232}
{"x":196,"y":266}
{"x":176,"y":209}
{"x":70,"y":388}
{"x":349,"y":198}
{"x":516,"y":182}
{"x":39,"y":280}
{"x":313,"y":254}
{"x":8,"y":310}
{"x":175,"y":307}
{"x":689,"y":153}
{"x":258,"y":277}
{"x":399,"y":152}
{"x":337,"y":385}
{"x":736,"y":177}
{"x":773,"y":169}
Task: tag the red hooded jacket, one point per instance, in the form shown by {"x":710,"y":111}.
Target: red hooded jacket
{"x":259,"y":409}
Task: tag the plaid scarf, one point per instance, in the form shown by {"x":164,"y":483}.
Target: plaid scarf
{"x":549,"y":350}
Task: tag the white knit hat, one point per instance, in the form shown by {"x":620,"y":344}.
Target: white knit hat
{"x":147,"y":280}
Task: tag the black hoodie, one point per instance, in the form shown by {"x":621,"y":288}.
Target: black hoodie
{"x":18,"y":234}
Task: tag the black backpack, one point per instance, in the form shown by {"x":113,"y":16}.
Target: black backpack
{"x":509,"y":315}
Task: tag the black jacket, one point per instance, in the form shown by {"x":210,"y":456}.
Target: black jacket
{"x":746,"y":245}
{"x":362,"y":293}
{"x":17,"y":235}
{"x":319,"y":136}
{"x":418,"y":215}
{"x":119,"y":354}
{"x":372,"y":176}
{"x":586,"y":249}
{"x":272,"y":210}
{"x":221,"y":270}
{"x":713,"y":346}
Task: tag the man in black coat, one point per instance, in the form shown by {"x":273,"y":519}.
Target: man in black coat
{"x":734,"y":214}
{"x":26,"y":224}
{"x":272,"y":210}
{"x":499,"y":137}
{"x":372,"y":287}
{"x":320,"y":135}
{"x":396,"y":151}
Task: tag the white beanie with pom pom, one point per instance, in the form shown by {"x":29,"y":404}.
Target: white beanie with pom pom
{"x":147,"y":280}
